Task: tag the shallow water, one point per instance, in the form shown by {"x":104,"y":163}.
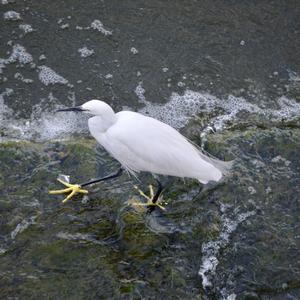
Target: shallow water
{"x":226,"y":74}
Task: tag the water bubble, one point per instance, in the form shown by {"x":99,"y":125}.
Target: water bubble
{"x":19,"y":54}
{"x":211,"y":249}
{"x":97,"y":25}
{"x":20,"y":77}
{"x":140,"y":91}
{"x":11,"y":15}
{"x":134,"y":50}
{"x":48,"y":76}
{"x":26,"y":28}
{"x":65,"y":26}
{"x":42,"y":57}
{"x":85,"y":52}
{"x":108,"y":76}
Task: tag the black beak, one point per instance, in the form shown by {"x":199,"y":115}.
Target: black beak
{"x":76,"y":109}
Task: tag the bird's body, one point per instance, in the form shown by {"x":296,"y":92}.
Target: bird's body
{"x":142,"y":143}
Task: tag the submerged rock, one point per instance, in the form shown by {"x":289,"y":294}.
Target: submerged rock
{"x":101,"y":247}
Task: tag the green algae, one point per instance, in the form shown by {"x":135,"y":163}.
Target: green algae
{"x":100,"y":247}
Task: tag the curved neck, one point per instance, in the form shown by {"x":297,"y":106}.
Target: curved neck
{"x":100,"y":124}
{"x":108,"y":117}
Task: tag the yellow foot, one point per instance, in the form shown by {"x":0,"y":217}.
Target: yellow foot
{"x":73,"y":189}
{"x":149,"y":198}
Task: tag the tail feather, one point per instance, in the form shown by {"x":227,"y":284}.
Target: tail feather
{"x":223,"y":166}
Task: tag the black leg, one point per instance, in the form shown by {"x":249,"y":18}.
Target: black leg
{"x":158,"y":192}
{"x":111,"y":176}
{"x":156,"y":196}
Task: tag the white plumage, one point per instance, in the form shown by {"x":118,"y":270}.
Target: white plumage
{"x":141,"y":143}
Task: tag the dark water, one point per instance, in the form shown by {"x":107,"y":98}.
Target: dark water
{"x":226,"y":74}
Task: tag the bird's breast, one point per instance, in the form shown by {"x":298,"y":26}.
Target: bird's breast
{"x":96,"y":128}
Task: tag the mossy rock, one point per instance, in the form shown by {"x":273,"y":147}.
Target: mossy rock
{"x":100,"y":247}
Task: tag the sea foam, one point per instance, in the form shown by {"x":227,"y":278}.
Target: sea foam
{"x":44,"y":124}
{"x":48,"y":76}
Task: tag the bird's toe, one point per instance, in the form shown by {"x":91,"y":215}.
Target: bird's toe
{"x":72,"y":189}
{"x":141,"y":206}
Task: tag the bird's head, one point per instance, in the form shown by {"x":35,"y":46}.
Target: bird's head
{"x":92,"y":107}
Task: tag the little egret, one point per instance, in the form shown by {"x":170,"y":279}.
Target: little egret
{"x":142,"y":143}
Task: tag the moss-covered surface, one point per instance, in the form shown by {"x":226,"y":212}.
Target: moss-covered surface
{"x":101,"y":248}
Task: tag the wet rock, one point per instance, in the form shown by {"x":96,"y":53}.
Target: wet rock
{"x":121,"y":252}
{"x":250,"y":296}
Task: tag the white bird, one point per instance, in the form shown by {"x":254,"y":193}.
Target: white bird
{"x":141,"y":143}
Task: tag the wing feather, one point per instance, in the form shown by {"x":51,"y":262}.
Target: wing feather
{"x":146,"y":144}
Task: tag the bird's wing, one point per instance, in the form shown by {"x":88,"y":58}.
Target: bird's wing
{"x":147,"y":144}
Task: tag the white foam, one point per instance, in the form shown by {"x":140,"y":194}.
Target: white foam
{"x":20,"y":77}
{"x":26,"y":28}
{"x":108,"y":76}
{"x":11,"y":15}
{"x":180,"y":84}
{"x":85,"y":52}
{"x":211,"y":249}
{"x":60,"y":125}
{"x":65,"y":26}
{"x":43,"y":124}
{"x":181,"y":108}
{"x":134,"y":50}
{"x":42,"y":57}
{"x":19,"y":54}
{"x":140,"y":91}
{"x":46,"y":125}
{"x":97,"y":25}
{"x":48,"y":76}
